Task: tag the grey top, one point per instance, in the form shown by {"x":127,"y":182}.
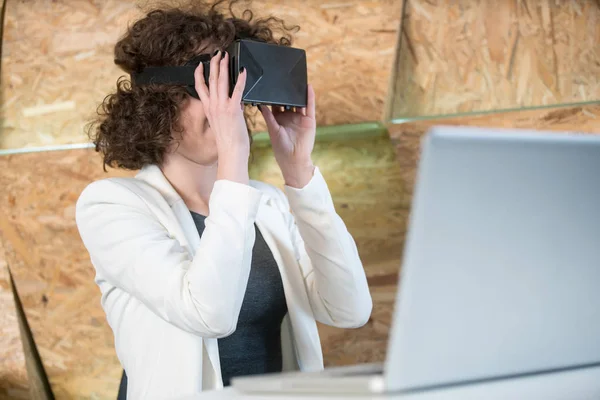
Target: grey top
{"x":255,"y":346}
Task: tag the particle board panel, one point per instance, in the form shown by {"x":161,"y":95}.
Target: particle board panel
{"x":484,"y":55}
{"x":14,"y":382}
{"x":57,"y":63}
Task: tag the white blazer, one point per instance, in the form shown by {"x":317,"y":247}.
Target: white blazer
{"x":169,"y":294}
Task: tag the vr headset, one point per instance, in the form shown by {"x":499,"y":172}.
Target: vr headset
{"x":276,"y":75}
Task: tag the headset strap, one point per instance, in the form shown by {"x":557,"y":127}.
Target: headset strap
{"x":171,"y":75}
{"x":165,"y":75}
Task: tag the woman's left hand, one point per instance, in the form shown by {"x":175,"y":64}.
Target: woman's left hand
{"x":292,"y":136}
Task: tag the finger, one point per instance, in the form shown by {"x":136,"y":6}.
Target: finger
{"x":238,"y":91}
{"x":310,"y":106}
{"x":201,"y":87}
{"x":214,"y":76}
{"x":272,"y":124}
{"x":224,"y":78}
{"x":303,"y":111}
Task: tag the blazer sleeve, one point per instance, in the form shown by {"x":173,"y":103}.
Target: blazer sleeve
{"x":133,"y":251}
{"x":333,"y":272}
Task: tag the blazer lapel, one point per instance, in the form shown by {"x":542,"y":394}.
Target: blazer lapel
{"x":184,"y":229}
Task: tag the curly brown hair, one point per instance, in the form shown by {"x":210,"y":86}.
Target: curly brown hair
{"x":136,"y":124}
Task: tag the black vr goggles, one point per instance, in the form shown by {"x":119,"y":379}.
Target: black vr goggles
{"x":276,"y":75}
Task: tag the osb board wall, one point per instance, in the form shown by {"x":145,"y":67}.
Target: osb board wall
{"x":52,"y":272}
{"x":58,"y":61}
{"x":13,"y":373}
{"x":55,"y":278}
{"x":407,"y":137}
{"x":480,"y":55}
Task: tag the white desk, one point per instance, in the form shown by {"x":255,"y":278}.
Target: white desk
{"x":573,"y":385}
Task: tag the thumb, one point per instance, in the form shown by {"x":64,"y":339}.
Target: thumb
{"x":272,"y":124}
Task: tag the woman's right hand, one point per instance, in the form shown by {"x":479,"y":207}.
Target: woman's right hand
{"x":226,"y":117}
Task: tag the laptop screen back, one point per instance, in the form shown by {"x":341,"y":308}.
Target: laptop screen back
{"x":501,"y":272}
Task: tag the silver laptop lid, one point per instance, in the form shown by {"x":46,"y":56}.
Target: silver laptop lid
{"x":501,"y":271}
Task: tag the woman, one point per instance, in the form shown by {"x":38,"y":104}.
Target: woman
{"x":205,"y":274}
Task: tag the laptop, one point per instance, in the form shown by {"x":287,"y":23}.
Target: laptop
{"x":501,"y":271}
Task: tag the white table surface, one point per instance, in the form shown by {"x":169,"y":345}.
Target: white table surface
{"x":573,"y":385}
